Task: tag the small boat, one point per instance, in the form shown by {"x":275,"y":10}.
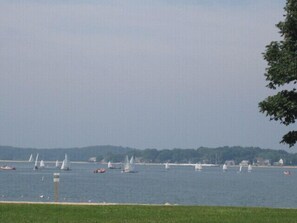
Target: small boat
{"x":225,"y":168}
{"x":36,"y":162}
{"x":31,"y":158}
{"x":167,"y":166}
{"x":287,"y":173}
{"x":111,"y":166}
{"x":198,"y":167}
{"x":65,"y":164}
{"x":100,"y":170}
{"x":41,"y":165}
{"x":250,"y":168}
{"x":57,"y":164}
{"x":129,"y":165}
{"x":240,"y":168}
{"x":5,"y":167}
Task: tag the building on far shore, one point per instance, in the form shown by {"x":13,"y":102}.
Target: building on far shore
{"x":244,"y":163}
{"x":262,"y":162}
{"x":92,"y":159}
{"x":230,"y":162}
{"x":279,"y":163}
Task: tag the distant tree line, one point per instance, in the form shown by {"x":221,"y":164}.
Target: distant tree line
{"x":117,"y":154}
{"x":205,"y":155}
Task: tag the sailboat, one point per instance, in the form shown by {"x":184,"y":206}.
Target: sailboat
{"x":132,"y":164}
{"x":225,"y":168}
{"x":31,"y":158}
{"x":41,"y":165}
{"x":240,"y":168}
{"x":166,"y":166}
{"x":65,"y":164}
{"x":250,"y":168}
{"x":57,"y":164}
{"x":129,"y":165}
{"x":109,"y":165}
{"x":112,"y":166}
{"x":198,"y":167}
{"x":36,"y":162}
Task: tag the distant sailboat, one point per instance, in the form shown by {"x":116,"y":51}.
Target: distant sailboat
{"x":198,"y":167}
{"x":240,"y":168}
{"x":65,"y":164}
{"x":36,"y":162}
{"x":129,"y":165}
{"x":31,"y":158}
{"x":132,"y":163}
{"x":41,"y":165}
{"x":250,"y":168}
{"x":167,"y":166}
{"x":225,"y":168}
{"x":111,"y":166}
{"x":57,"y":164}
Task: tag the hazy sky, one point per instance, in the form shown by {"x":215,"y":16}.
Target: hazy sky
{"x":144,"y":74}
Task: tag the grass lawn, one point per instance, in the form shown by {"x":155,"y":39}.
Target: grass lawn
{"x":14,"y":213}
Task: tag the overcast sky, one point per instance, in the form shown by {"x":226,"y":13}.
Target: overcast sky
{"x":143,"y":74}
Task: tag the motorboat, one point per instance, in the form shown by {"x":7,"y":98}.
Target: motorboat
{"x":5,"y":167}
{"x":100,"y":170}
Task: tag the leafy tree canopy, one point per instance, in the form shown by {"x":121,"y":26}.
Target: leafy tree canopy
{"x":281,"y":72}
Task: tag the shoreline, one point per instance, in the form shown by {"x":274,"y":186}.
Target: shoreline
{"x":87,"y":203}
{"x":151,"y":164}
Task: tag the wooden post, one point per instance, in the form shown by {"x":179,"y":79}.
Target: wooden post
{"x":56,"y":186}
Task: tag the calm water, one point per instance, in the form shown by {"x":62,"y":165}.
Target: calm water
{"x":153,"y":185}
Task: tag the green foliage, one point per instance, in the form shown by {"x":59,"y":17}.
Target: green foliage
{"x":74,"y":154}
{"x":117,"y":154}
{"x":49,"y":213}
{"x":281,"y":58}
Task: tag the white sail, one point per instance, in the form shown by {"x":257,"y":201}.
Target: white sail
{"x":132,"y":164}
{"x":41,"y":165}
{"x":128,"y":165}
{"x":166,"y":166}
{"x":109,"y":165}
{"x":57,"y":163}
{"x":36,"y":162}
{"x":65,"y":164}
{"x":250,"y":168}
{"x":31,"y":158}
{"x":225,"y":167}
{"x":198,"y":167}
{"x":240,"y":168}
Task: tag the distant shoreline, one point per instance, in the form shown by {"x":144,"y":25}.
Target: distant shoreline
{"x":151,"y":164}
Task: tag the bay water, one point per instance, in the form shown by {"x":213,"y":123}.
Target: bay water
{"x":152,"y":184}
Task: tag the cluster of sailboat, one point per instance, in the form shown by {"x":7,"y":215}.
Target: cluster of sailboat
{"x":199,"y":167}
{"x":65,"y":164}
{"x":127,"y":167}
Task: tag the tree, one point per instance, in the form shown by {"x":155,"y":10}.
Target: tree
{"x":281,"y":72}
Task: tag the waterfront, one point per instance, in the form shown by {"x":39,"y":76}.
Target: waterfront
{"x":181,"y":185}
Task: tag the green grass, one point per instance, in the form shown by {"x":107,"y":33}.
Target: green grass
{"x":14,"y":213}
